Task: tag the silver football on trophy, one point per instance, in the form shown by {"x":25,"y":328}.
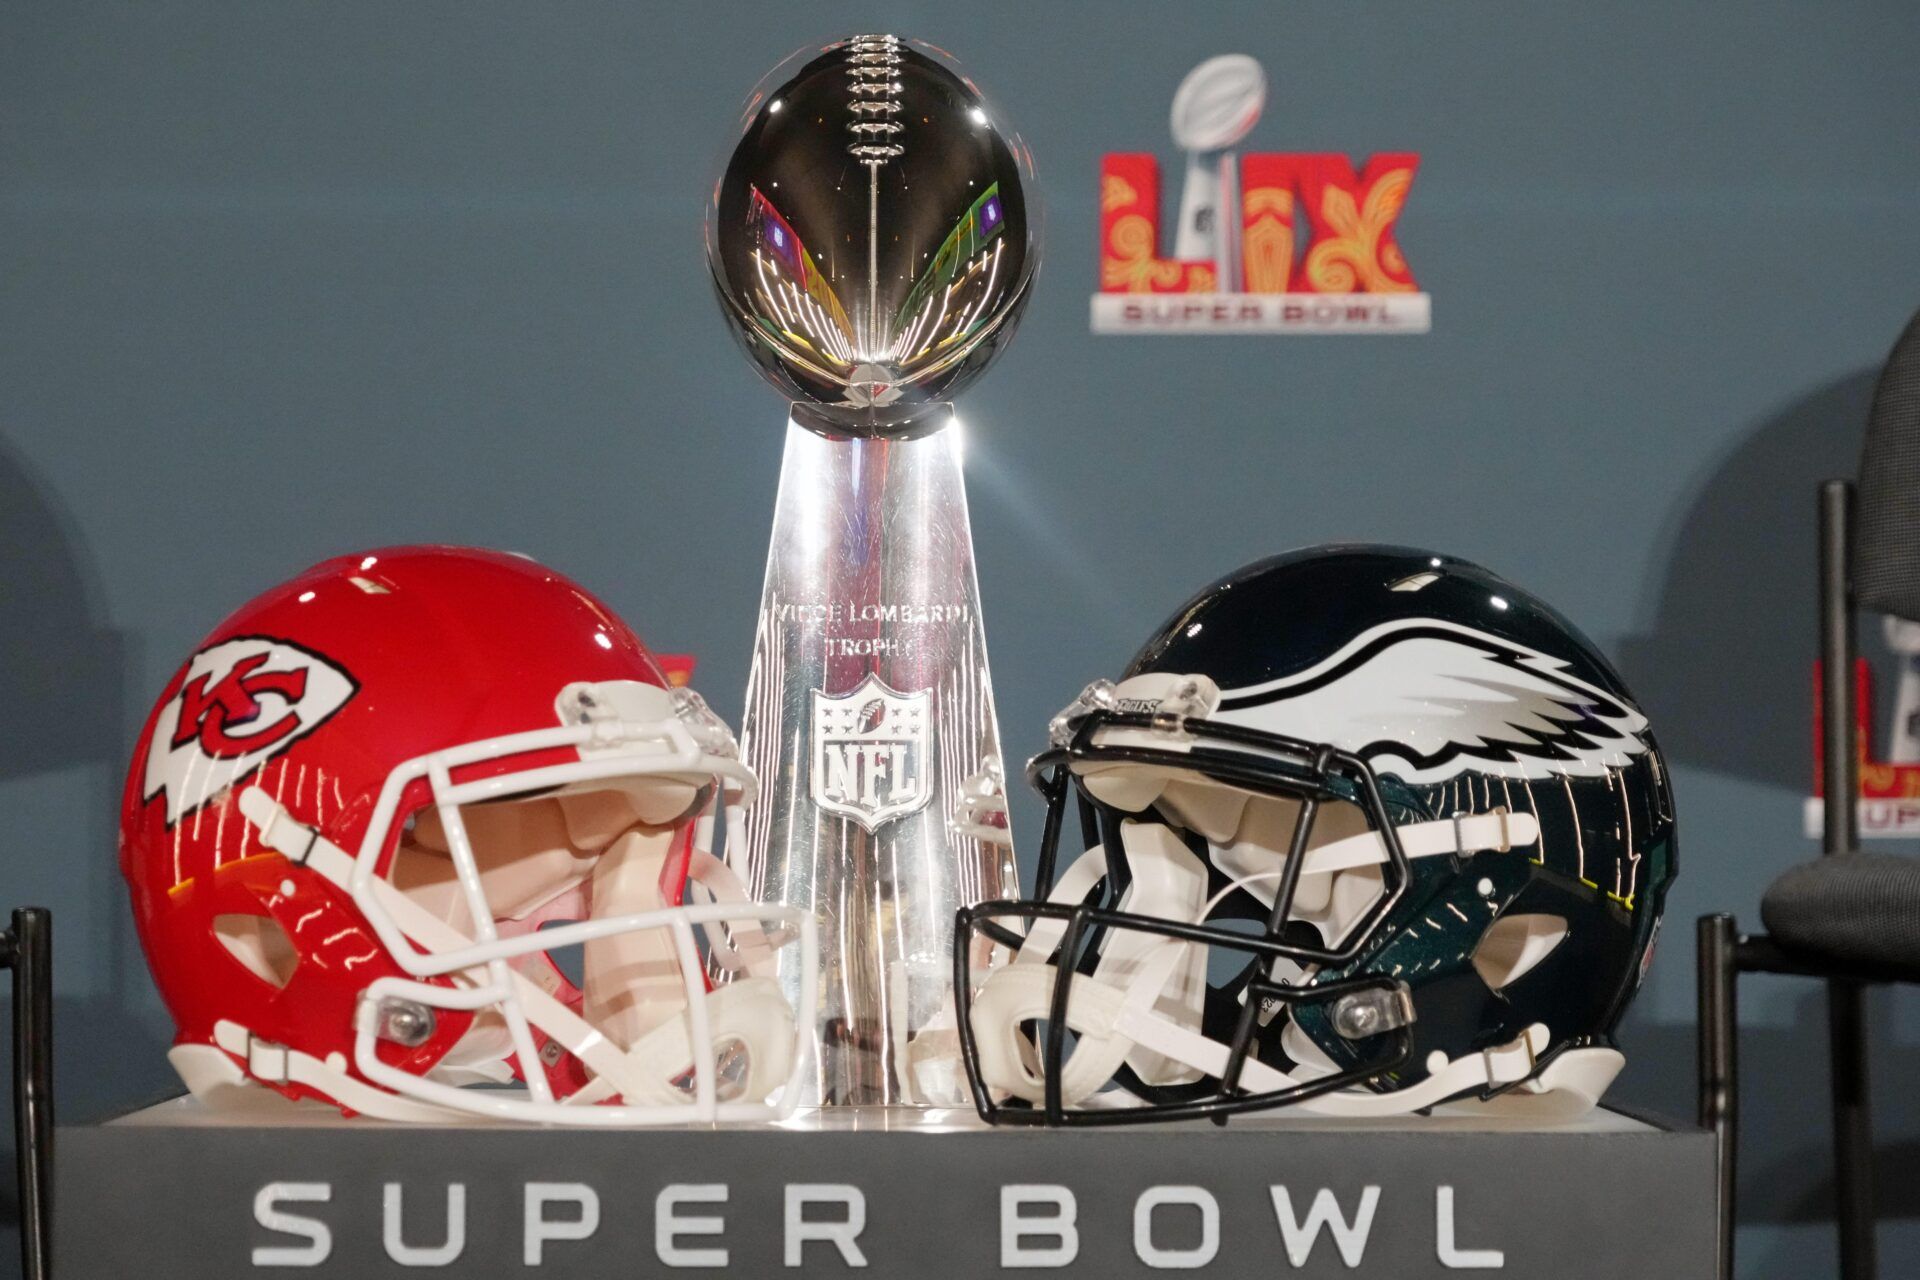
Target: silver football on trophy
{"x":874,"y":234}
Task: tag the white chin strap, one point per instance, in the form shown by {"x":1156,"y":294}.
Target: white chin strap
{"x":745,"y":1028}
{"x":1141,"y":1006}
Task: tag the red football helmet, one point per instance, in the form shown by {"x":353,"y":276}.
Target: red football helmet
{"x":428,"y":818}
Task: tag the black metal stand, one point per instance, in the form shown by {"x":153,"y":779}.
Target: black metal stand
{"x":1840,"y":765}
{"x":1724,"y":954}
{"x":1720,"y":1067}
{"x":1852,"y":1128}
{"x":27,"y":950}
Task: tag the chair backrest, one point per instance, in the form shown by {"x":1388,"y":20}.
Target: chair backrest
{"x":1869,"y":557}
{"x":1886,"y":534}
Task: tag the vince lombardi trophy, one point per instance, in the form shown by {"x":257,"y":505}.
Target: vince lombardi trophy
{"x":1214,"y":109}
{"x":873,"y":238}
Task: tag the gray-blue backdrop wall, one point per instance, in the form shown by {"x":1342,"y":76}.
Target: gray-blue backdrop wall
{"x":281,"y":281}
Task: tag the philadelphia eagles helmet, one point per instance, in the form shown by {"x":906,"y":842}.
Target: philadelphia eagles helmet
{"x":1365,"y":830}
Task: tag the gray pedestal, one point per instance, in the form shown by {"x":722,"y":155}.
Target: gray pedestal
{"x":173,"y":1191}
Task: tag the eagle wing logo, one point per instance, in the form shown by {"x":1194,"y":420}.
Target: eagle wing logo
{"x":1429,"y":700}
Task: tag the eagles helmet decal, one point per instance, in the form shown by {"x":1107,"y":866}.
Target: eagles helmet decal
{"x":1456,"y":700}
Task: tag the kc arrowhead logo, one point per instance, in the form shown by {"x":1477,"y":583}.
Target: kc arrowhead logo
{"x":241,"y":703}
{"x":870,"y":753}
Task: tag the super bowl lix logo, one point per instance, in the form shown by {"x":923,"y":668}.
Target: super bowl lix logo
{"x":1889,"y":801}
{"x":1267,"y":242}
{"x":241,"y":703}
{"x":869,"y":753}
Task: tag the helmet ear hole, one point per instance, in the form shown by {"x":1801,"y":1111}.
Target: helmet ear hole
{"x":259,"y":945}
{"x":1513,"y":945}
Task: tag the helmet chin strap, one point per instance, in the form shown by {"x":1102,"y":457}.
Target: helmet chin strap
{"x":1138,"y":1007}
{"x":751,"y":1011}
{"x":1463,"y":833}
{"x":1500,"y":829}
{"x":1113,"y":1022}
{"x":1168,"y":975}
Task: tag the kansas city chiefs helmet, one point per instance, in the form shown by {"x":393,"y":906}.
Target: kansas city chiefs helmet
{"x":1366,"y":830}
{"x":425,"y":833}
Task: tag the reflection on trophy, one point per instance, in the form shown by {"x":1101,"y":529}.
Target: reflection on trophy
{"x":872,"y":242}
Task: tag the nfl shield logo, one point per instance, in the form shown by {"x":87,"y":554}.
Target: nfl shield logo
{"x":870,"y":753}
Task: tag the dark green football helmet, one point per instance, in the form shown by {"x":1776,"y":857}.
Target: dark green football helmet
{"x":1367,"y":830}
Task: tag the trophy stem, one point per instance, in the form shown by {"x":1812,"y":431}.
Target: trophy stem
{"x":869,"y":707}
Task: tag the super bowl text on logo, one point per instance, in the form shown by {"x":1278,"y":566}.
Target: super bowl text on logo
{"x":241,"y":702}
{"x":869,"y":753}
{"x":1268,"y":242}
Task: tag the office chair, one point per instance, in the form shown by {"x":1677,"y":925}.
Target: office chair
{"x":1849,"y":917}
